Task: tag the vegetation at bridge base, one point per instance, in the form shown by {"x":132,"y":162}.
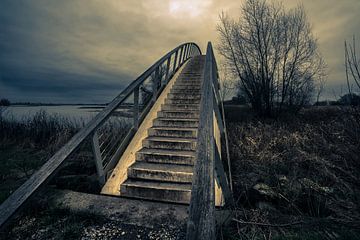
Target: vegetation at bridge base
{"x":295,"y":177}
{"x":26,"y":144}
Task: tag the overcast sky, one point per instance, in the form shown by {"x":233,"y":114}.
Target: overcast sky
{"x":86,"y":51}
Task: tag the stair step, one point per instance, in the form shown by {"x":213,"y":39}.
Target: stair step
{"x":185,"y":91}
{"x":170,"y":143}
{"x":187,"y":87}
{"x":175,"y":107}
{"x":178,"y":114}
{"x":178,"y":123}
{"x":173,"y":132}
{"x":191,"y":84}
{"x":186,"y":95}
{"x":160,"y":191}
{"x":166,"y":156}
{"x":182,"y":101}
{"x":161,"y":172}
{"x":188,"y":81}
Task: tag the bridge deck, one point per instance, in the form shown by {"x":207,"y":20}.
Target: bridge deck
{"x":160,"y":161}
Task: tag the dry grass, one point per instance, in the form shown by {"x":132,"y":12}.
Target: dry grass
{"x":310,"y":164}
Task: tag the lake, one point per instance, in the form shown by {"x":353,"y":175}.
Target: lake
{"x":73,"y":112}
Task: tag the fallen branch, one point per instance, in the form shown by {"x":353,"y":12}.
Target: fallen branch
{"x":268,"y":224}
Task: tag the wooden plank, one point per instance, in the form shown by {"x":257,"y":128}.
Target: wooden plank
{"x":23,"y":193}
{"x":201,"y":223}
{"x":222,"y":180}
{"x":218,"y":116}
{"x":175,"y":61}
{"x":136,"y":108}
{"x":167,"y":69}
{"x":97,"y":157}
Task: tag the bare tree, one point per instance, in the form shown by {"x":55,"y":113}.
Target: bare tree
{"x":320,"y":87}
{"x":227,"y":83}
{"x":352,"y":65}
{"x":273,"y":53}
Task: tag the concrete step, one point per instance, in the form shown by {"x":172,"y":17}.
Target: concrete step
{"x":166,"y":156}
{"x":160,"y":191}
{"x":161,"y":172}
{"x":188,"y":84}
{"x":177,"y":123}
{"x":173,"y":132}
{"x":192,"y":72}
{"x":175,"y":107}
{"x":185,"y":95}
{"x":184,"y":144}
{"x":182,"y":101}
{"x":185,"y":91}
{"x":188,"y":80}
{"x":186,"y":87}
{"x":178,"y":114}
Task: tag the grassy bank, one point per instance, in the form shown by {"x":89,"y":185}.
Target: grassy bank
{"x":26,"y":144}
{"x":296,"y":177}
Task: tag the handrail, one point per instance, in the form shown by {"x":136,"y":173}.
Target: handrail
{"x":208,"y":166}
{"x":44,"y":174}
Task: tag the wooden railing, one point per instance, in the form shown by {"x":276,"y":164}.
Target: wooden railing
{"x":208,"y":166}
{"x":134,"y":101}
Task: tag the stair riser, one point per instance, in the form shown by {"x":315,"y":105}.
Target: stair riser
{"x":166,"y":159}
{"x":178,"y":114}
{"x":186,"y":87}
{"x":182,"y":101}
{"x":156,"y":194}
{"x":189,"y":85}
{"x":184,"y":96}
{"x":192,"y":75}
{"x":186,"y":146}
{"x":185,"y":91}
{"x":188,"y":81}
{"x":145,"y":174}
{"x":170,"y":107}
{"x":180,"y":124}
{"x":172,"y":133}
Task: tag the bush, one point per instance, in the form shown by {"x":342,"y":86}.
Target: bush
{"x":4,"y":102}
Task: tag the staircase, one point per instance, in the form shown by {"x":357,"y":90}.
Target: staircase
{"x":164,"y":165}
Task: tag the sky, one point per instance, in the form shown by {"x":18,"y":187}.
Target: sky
{"x":87,"y":51}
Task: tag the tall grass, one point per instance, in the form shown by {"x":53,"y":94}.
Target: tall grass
{"x":310,"y":162}
{"x":41,"y":130}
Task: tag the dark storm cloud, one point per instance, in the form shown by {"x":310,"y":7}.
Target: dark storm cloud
{"x":88,"y":50}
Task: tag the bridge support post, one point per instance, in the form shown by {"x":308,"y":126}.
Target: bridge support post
{"x":136,"y":108}
{"x":156,"y":84}
{"x":187,"y":51}
{"x":167,"y":69}
{"x":181,"y":55}
{"x":97,"y":157}
{"x":175,"y":60}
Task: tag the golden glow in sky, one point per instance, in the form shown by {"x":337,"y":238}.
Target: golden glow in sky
{"x":191,"y":8}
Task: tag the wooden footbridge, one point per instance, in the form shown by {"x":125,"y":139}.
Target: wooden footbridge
{"x":173,"y":152}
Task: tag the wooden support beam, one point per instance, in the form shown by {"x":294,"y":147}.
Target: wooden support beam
{"x":136,"y":108}
{"x":222,"y":180}
{"x":201,"y":223}
{"x":97,"y":157}
{"x":175,"y":60}
{"x":167,"y":69}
